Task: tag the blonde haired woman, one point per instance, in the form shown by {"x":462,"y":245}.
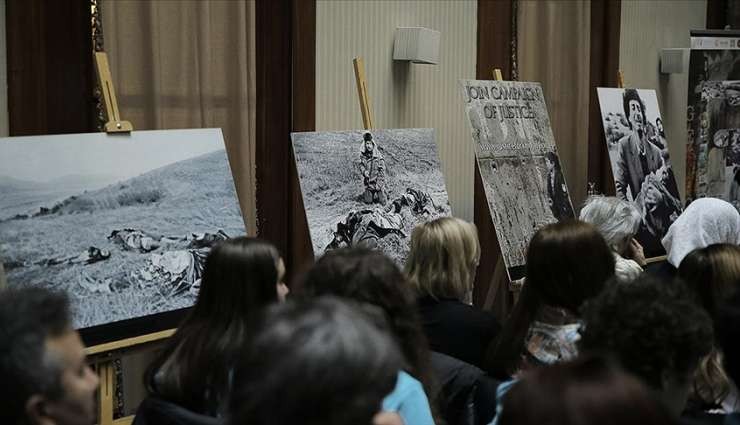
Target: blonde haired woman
{"x":441,"y":267}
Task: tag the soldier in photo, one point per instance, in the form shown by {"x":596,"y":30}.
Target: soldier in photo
{"x":372,"y":168}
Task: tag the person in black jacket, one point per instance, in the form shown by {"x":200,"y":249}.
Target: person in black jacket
{"x":441,"y":267}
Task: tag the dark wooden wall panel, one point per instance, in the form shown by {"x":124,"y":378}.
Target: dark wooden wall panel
{"x":50,"y":67}
{"x":286,"y":52}
{"x":604,"y":63}
{"x":495,"y":37}
{"x":304,"y":119}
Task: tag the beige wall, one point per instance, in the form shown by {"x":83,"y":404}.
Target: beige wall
{"x":403,"y":95}
{"x":648,"y":26}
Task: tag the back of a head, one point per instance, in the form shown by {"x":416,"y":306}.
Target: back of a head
{"x":706,"y":221}
{"x":28,"y":317}
{"x":567,"y":263}
{"x":362,"y":275}
{"x":652,"y":328}
{"x":239,"y":280}
{"x":712,"y":274}
{"x":728,"y":336}
{"x":443,"y":257}
{"x":617,"y":220}
{"x":240,"y":275}
{"x":314,"y":362}
{"x":370,"y":277}
{"x":585,"y":391}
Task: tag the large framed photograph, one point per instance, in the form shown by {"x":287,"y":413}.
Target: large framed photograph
{"x":122,"y":223}
{"x":518,"y":162}
{"x":641,"y":165}
{"x":713,"y":117}
{"x":369,"y":187}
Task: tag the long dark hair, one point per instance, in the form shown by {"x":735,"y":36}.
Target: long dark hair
{"x":567,"y":263}
{"x":369,"y":276}
{"x":239,"y":280}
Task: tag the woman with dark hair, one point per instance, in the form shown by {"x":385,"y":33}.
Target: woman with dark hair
{"x":585,"y":391}
{"x":370,"y":277}
{"x":567,"y":263}
{"x":240,"y":278}
{"x":712,"y":274}
{"x":317,"y":362}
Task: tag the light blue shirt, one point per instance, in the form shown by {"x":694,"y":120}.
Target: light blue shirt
{"x":409,"y":400}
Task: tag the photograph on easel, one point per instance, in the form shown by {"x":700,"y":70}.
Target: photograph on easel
{"x":121,"y":223}
{"x":713,"y":115}
{"x":369,"y":187}
{"x":518,"y":161}
{"x":640,"y":162}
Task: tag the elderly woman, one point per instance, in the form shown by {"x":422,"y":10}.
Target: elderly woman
{"x":617,"y":221}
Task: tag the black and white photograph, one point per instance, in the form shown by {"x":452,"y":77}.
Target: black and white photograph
{"x":713,"y":116}
{"x":121,"y":223}
{"x":641,"y":164}
{"x":369,"y":187}
{"x":521,"y":171}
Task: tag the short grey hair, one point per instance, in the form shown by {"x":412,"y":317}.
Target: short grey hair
{"x":617,"y":220}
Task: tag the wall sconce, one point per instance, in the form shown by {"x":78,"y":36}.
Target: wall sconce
{"x":417,"y":45}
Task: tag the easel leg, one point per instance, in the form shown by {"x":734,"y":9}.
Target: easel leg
{"x":106,"y":392}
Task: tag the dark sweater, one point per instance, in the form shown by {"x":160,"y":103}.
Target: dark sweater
{"x":457,"y":329}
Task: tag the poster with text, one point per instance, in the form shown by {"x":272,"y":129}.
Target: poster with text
{"x":518,"y":162}
{"x":122,"y":224}
{"x":641,"y":165}
{"x":713,"y":117}
{"x":369,"y":188}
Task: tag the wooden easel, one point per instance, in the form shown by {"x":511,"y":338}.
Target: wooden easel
{"x":620,"y":84}
{"x":367,"y":114}
{"x":102,"y":356}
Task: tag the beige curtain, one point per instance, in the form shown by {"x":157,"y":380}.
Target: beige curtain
{"x":553,"y":48}
{"x":188,"y":64}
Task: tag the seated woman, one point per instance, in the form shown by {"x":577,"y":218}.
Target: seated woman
{"x":712,"y":274}
{"x":240,"y":278}
{"x":567,"y":263}
{"x":706,"y":221}
{"x":441,"y":268}
{"x":370,"y":277}
{"x":618,"y":222}
{"x":318,"y":361}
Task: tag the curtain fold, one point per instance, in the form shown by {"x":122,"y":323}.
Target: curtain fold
{"x":189,"y":64}
{"x":553,"y":46}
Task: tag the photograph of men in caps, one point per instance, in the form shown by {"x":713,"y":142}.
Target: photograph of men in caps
{"x":642,"y":169}
{"x":372,"y":168}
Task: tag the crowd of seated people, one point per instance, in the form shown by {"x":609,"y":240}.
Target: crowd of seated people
{"x":597,"y":336}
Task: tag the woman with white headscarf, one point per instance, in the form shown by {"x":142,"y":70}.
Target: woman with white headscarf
{"x":706,"y":221}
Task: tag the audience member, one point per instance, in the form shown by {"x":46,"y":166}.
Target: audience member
{"x":370,"y":277}
{"x":567,"y":263}
{"x":728,"y":339}
{"x":585,"y":391}
{"x":618,"y":222}
{"x":654,"y":330}
{"x":42,"y":362}
{"x":441,"y":267}
{"x":240,"y":278}
{"x":712,"y":274}
{"x":318,"y":362}
{"x":706,"y":221}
